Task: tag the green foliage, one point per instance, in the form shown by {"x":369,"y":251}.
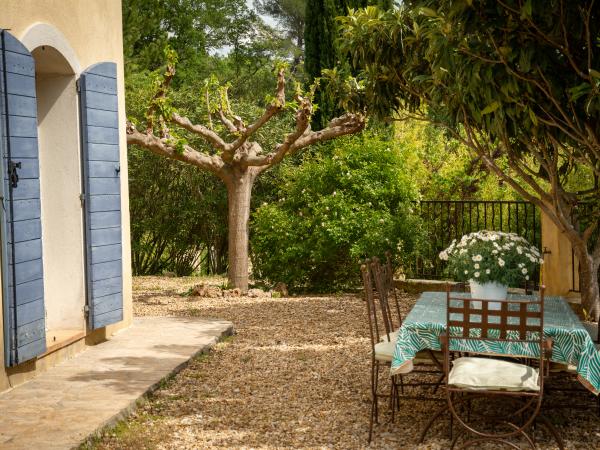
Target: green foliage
{"x":446,"y":169}
{"x":350,"y":201}
{"x":491,"y":256}
{"x":321,"y":48}
{"x":211,"y":36}
{"x":290,"y":17}
{"x":502,"y":77}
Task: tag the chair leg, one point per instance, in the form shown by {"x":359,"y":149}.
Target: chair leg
{"x":375,"y":390}
{"x":392,"y":402}
{"x":373,"y":415}
{"x":371,"y":419}
{"x":553,"y":431}
{"x":439,"y":383}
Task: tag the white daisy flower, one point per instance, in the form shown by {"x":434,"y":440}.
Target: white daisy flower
{"x":476,"y":274}
{"x":524,"y":271}
{"x":476,"y":266}
{"x":487,"y":271}
{"x":501,"y":262}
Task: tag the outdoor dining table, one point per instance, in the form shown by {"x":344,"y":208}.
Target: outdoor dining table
{"x":572,"y":344}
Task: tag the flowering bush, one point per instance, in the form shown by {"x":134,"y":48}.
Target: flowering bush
{"x":349,"y":201}
{"x":491,"y":256}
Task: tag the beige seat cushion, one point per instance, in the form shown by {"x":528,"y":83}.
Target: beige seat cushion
{"x":492,"y":374}
{"x":384,"y":351}
{"x":393,"y":337}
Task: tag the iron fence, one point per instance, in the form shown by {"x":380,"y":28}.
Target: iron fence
{"x":445,"y":220}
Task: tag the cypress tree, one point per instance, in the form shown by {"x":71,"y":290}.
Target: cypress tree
{"x":320,"y":51}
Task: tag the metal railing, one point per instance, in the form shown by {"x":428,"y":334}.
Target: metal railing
{"x":445,"y":220}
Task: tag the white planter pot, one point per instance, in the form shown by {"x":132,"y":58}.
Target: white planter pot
{"x":488,"y":291}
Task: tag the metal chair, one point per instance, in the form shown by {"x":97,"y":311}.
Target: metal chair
{"x":381,"y":350}
{"x":426,"y":361}
{"x":475,"y":326}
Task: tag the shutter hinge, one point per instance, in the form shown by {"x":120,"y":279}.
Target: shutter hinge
{"x":82,"y":200}
{"x":86,"y":311}
{"x":78,"y":84}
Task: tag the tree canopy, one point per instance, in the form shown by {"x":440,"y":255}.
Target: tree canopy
{"x":512,"y":78}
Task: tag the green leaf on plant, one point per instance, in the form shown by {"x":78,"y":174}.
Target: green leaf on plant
{"x":491,"y":108}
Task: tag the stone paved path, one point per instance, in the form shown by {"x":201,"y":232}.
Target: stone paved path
{"x":61,"y":407}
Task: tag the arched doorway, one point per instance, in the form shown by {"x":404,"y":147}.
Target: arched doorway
{"x":60,"y":189}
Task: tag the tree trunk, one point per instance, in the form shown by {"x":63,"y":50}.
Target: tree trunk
{"x":588,"y":280}
{"x":239,"y":192}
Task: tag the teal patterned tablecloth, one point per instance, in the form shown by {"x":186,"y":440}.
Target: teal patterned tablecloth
{"x":573,"y":345}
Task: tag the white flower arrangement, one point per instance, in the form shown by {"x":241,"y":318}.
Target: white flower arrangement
{"x":491,"y":256}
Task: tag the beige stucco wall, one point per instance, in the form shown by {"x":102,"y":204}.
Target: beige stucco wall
{"x":85,"y":32}
{"x":557,"y":273}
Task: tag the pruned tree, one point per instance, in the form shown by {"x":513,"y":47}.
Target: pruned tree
{"x":517,"y":81}
{"x":237,"y":158}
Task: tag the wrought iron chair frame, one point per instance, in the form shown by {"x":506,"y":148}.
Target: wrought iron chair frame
{"x":524,"y":332}
{"x":375,"y":336}
{"x":383,"y":278}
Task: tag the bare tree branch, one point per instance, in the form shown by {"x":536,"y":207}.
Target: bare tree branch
{"x":225,"y":121}
{"x":209,"y":135}
{"x":162,"y":147}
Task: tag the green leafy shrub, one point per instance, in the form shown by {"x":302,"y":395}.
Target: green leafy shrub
{"x":349,"y":201}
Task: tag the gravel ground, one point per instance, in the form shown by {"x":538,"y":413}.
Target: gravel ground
{"x":296,"y":375}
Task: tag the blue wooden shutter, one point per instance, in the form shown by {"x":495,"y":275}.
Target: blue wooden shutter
{"x":100,"y":139}
{"x":23,"y":282}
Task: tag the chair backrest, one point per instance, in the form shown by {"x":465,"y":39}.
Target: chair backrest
{"x":511,"y":320}
{"x":374,"y":327}
{"x":380,"y":277}
{"x":475,"y":320}
{"x":391,"y":287}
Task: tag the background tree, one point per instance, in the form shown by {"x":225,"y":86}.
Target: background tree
{"x":290,"y":16}
{"x":446,"y":169}
{"x":515,"y":78}
{"x":321,"y":48}
{"x":238,"y":158}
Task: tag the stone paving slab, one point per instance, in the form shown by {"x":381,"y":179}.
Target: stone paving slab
{"x":61,"y":407}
